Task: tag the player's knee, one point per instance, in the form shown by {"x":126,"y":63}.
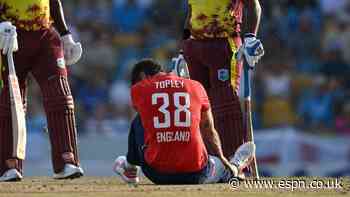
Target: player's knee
{"x":57,"y":95}
{"x":4,"y":110}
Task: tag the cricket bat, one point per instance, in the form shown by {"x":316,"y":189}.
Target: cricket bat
{"x":17,"y":112}
{"x":248,"y":109}
{"x":248,"y":117}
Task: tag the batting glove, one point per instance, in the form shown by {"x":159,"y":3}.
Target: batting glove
{"x":253,"y":50}
{"x":8,"y":38}
{"x":72,"y":49}
{"x":180,"y":67}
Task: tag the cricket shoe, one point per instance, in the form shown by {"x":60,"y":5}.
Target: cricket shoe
{"x":129,"y":173}
{"x":70,"y":171}
{"x":11,"y":175}
{"x":243,"y":156}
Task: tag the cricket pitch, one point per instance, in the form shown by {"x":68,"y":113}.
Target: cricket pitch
{"x":112,"y":187}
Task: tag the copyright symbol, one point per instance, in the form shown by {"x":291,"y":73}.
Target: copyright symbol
{"x":234,"y":183}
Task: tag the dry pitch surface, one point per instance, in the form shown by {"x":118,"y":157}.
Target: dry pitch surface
{"x":112,"y":187}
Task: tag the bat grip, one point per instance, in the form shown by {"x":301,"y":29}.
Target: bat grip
{"x":11,"y":64}
{"x":246,"y":75}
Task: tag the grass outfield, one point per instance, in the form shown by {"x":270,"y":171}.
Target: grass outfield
{"x":112,"y":187}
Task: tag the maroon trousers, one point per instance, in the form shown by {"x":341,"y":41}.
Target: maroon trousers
{"x":210,"y":62}
{"x":41,"y":53}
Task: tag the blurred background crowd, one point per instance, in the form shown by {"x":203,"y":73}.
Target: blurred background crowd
{"x":302,"y":81}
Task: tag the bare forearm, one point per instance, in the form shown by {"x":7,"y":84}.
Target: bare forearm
{"x":57,"y":15}
{"x":253,"y":16}
{"x":215,"y":142}
{"x":188,"y":17}
{"x":187,"y":32}
{"x":210,"y":135}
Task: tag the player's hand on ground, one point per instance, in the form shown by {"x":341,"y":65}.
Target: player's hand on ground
{"x":233,"y":169}
{"x":253,"y":49}
{"x":8,"y":38}
{"x":72,"y":49}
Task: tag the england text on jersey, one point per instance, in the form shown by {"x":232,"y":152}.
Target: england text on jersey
{"x":177,"y":136}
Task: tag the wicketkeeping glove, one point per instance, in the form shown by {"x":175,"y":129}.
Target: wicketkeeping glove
{"x":253,"y":50}
{"x":8,"y":38}
{"x":72,"y":49}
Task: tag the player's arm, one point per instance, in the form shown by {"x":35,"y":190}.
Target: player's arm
{"x":253,"y":48}
{"x":72,"y":49}
{"x":187,"y":32}
{"x":57,"y":15}
{"x":209,"y":132}
{"x":211,"y":136}
{"x":253,"y":16}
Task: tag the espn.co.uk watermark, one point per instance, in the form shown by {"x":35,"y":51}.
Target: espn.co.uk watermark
{"x":286,"y":184}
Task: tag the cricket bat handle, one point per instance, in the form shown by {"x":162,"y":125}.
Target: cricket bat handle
{"x":11,"y":64}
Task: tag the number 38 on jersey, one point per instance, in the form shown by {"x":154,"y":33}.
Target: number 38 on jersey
{"x":181,"y":115}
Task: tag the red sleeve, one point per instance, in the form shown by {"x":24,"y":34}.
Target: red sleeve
{"x":204,"y":98}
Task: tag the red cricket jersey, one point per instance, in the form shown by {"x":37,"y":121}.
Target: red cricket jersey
{"x":170,"y":108}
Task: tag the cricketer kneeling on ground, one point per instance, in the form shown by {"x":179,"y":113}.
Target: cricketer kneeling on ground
{"x":45,"y":47}
{"x":166,"y":138}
